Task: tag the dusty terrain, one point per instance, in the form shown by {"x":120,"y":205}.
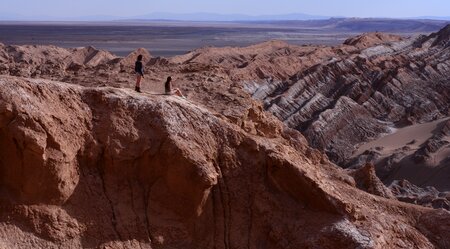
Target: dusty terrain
{"x":110,"y":168}
{"x":170,"y":38}
{"x":88,"y":163}
{"x":374,"y":82}
{"x":428,"y":143}
{"x":419,"y":153}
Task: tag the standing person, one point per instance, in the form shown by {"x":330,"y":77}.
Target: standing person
{"x":168,"y":88}
{"x":139,"y":70}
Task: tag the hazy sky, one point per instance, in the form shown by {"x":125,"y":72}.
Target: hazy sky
{"x":350,"y":8}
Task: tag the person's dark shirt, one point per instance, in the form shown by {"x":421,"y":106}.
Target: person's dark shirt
{"x":138,"y":68}
{"x":168,"y":87}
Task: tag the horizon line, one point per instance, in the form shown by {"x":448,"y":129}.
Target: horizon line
{"x":226,"y":17}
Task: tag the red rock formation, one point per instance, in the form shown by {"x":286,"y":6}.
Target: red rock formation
{"x":127,"y":63}
{"x":367,"y":180}
{"x":372,"y":39}
{"x":390,"y":82}
{"x":339,"y":97}
{"x":109,"y":168}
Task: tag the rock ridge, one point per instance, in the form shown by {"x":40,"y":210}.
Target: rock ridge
{"x":112,"y":168}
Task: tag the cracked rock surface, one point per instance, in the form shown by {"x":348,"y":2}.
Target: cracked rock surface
{"x":107,"y":168}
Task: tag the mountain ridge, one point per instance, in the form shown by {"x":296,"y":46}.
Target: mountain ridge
{"x":87,"y":162}
{"x":339,"y":97}
{"x":201,"y":16}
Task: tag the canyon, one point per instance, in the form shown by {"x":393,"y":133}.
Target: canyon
{"x":276,"y":146}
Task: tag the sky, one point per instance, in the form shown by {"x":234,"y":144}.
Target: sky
{"x":123,"y":8}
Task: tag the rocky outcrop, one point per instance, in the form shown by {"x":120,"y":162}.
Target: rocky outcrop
{"x":372,"y":39}
{"x":108,"y":168}
{"x":127,"y":63}
{"x":339,"y":97}
{"x":357,"y":95}
{"x":437,"y":142}
{"x":428,"y":196}
{"x":367,"y":180}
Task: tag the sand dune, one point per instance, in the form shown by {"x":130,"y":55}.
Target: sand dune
{"x":418,"y":153}
{"x":412,"y":136}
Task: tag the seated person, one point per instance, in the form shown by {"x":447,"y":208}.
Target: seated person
{"x":169,"y":91}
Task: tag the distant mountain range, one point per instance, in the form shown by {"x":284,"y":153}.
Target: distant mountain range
{"x":226,"y":17}
{"x":445,"y":18}
{"x":361,"y":25}
{"x":201,"y":16}
{"x":17,"y":17}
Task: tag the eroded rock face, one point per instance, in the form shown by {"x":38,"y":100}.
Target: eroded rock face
{"x":114,"y":169}
{"x":372,"y":39}
{"x":43,"y":147}
{"x":338,"y":97}
{"x":428,"y":196}
{"x":367,"y":180}
{"x":371,"y":82}
{"x":356,"y":95}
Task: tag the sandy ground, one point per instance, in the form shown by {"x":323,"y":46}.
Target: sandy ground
{"x":397,"y":152}
{"x":412,"y":136}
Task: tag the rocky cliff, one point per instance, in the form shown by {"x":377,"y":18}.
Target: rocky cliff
{"x":355,"y":97}
{"x":105,"y":167}
{"x":341,"y":98}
